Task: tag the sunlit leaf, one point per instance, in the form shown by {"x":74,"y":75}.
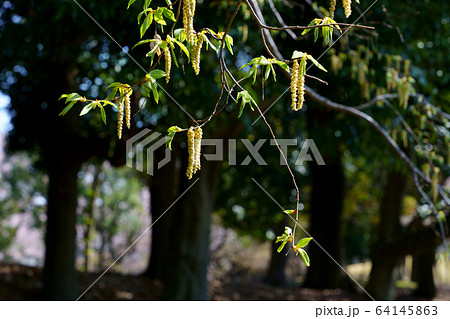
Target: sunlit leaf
{"x":304,"y":256}
{"x":67,"y":108}
{"x":281,"y":246}
{"x":142,"y":42}
{"x":314,"y":61}
{"x":298,"y":55}
{"x":146,"y":24}
{"x":87,"y":108}
{"x":159,"y":18}
{"x":130,"y":3}
{"x":303,"y":242}
{"x":168,"y":14}
{"x":102,"y":111}
{"x":229,"y":43}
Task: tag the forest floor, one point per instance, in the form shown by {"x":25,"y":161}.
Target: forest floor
{"x":18,"y":282}
{"x":236,"y":272}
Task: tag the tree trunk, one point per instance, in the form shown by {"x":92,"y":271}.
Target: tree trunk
{"x":276,"y":273}
{"x":422,"y":274}
{"x":90,"y":209}
{"x":164,"y":189}
{"x":180,"y":239}
{"x":381,"y":285}
{"x":326,"y":213}
{"x":60,"y":282}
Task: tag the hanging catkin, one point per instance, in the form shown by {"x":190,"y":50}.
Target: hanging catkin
{"x":332,"y":8}
{"x":127,"y":102}
{"x":191,"y":152}
{"x":196,"y":50}
{"x":347,"y":4}
{"x":197,"y":148}
{"x":188,"y":19}
{"x":294,"y":79}
{"x":301,"y":84}
{"x":168,"y":62}
{"x":119,"y":119}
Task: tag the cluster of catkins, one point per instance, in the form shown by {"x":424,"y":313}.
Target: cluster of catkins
{"x":120,"y":107}
{"x":347,"y":4}
{"x":298,"y":83}
{"x":194,"y":139}
{"x":188,"y":19}
{"x":194,"y":39}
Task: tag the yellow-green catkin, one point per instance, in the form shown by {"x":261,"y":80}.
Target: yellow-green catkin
{"x":301,"y":84}
{"x":347,"y":4}
{"x":195,"y":55}
{"x":197,"y":148}
{"x":119,"y":119}
{"x":191,"y":21}
{"x":191,"y":152}
{"x":168,"y":62}
{"x":188,"y":19}
{"x":294,"y":79}
{"x":332,"y":8}
{"x":127,"y":102}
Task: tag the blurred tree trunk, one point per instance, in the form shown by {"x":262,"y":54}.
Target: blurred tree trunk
{"x":381,"y":285}
{"x":164,"y":189}
{"x":422,"y":274}
{"x":276,"y":273}
{"x":326,"y":213}
{"x":180,"y":239}
{"x":60,"y":282}
{"x":326,"y":202}
{"x":90,"y":209}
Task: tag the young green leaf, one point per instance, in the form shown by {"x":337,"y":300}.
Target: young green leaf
{"x":71,"y":97}
{"x":112,"y":94}
{"x":142,"y":42}
{"x":229,"y":43}
{"x":146,"y":24}
{"x":303,"y":242}
{"x":304,"y":256}
{"x":273,"y":72}
{"x":159,"y":18}
{"x":298,"y":55}
{"x":114,"y":85}
{"x":157,"y":74}
{"x":267,"y":73}
{"x":281,"y":246}
{"x":209,"y":44}
{"x":182,"y":46}
{"x":130,"y":3}
{"x":289,"y":211}
{"x":314,"y":61}
{"x":147,"y":4}
{"x":155,"y":92}
{"x":67,"y":108}
{"x":173,"y":56}
{"x":87,"y":108}
{"x":282,"y":64}
{"x":168,"y":14}
{"x":245,"y":99}
{"x":312,"y":23}
{"x":102,"y":111}
{"x":172,"y":131}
